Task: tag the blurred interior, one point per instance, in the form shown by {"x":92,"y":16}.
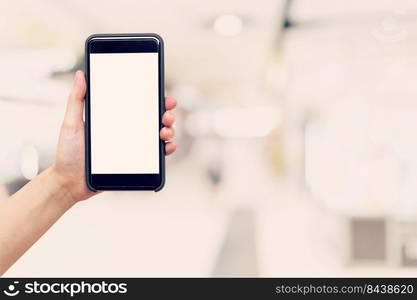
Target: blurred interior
{"x":296,"y":133}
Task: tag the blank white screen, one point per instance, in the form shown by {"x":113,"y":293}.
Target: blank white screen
{"x":124,"y":113}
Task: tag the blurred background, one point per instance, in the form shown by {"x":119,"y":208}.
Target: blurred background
{"x":296,"y":133}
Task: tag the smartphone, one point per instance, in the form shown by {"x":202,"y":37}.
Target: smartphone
{"x":123,"y":112}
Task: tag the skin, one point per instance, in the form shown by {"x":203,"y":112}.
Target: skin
{"x":29,"y":213}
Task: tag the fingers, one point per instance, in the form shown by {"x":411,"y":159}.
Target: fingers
{"x":167,"y":133}
{"x":170,"y":103}
{"x":168,"y":119}
{"x":170,"y":148}
{"x":75,"y":105}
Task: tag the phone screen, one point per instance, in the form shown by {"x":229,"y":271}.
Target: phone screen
{"x":124,"y":100}
{"x":124,"y":113}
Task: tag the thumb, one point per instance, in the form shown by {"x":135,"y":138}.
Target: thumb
{"x":75,"y":105}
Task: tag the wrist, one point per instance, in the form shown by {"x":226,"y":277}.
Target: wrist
{"x":62,"y":186}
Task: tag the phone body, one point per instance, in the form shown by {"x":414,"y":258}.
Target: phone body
{"x":123,"y":112}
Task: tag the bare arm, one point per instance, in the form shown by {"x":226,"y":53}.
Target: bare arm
{"x":28,"y":214}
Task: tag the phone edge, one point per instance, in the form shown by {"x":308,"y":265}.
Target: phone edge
{"x":161,"y":107}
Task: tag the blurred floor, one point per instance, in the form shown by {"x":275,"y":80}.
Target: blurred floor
{"x":283,"y":233}
{"x":132,"y":234}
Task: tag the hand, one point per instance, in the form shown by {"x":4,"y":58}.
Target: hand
{"x":69,"y":162}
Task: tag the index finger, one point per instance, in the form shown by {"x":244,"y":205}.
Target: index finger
{"x":170,"y":103}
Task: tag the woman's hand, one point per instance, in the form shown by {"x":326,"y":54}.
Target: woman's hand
{"x":68,"y":167}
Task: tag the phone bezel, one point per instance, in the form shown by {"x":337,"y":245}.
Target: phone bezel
{"x":124,"y":43}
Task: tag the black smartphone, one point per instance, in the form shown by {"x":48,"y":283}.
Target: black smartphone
{"x":123,"y":112}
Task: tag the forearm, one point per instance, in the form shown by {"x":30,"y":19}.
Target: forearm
{"x":28,"y":214}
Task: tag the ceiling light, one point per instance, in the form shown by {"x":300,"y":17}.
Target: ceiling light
{"x":246,"y":122}
{"x":29,"y":162}
{"x":228,"y":25}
